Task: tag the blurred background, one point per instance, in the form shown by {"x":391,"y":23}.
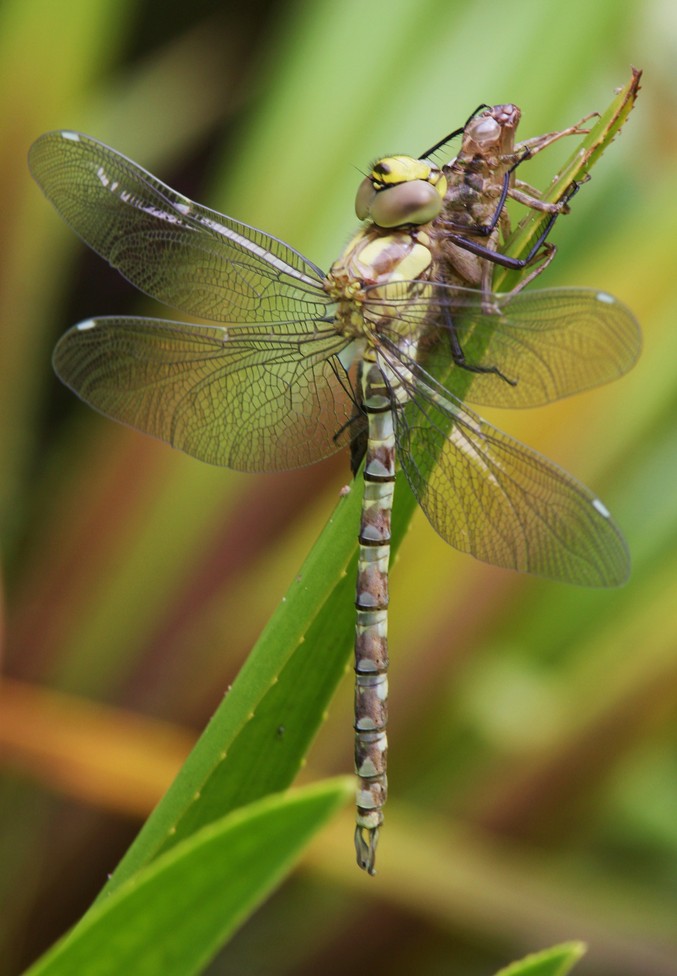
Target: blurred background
{"x":533,"y":726}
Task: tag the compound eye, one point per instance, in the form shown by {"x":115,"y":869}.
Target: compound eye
{"x":415,"y":202}
{"x":364,"y":199}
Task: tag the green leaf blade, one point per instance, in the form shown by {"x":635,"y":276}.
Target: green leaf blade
{"x":246,"y":752}
{"x":172,"y":917}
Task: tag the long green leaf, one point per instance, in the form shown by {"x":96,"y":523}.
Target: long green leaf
{"x":256,"y":740}
{"x":173,"y":916}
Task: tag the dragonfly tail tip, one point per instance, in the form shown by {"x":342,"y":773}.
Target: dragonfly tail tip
{"x":365,"y":848}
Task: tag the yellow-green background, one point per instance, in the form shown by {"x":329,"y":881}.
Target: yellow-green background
{"x":533,"y":726}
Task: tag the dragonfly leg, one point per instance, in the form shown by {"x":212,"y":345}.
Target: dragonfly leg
{"x":358,"y":437}
{"x":538,"y":261}
{"x":505,"y":260}
{"x":487,"y":228}
{"x":459,"y":356}
{"x":538,"y":267}
{"x":537,"y":144}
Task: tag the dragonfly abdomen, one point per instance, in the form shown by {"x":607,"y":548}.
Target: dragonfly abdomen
{"x":371,"y":601}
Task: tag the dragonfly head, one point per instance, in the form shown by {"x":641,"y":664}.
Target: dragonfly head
{"x":401,"y":190}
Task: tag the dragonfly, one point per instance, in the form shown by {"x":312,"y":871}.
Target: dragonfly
{"x":479,"y":179}
{"x":386,"y":349}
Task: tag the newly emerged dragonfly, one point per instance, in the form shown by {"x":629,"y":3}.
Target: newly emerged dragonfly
{"x":386,"y":341}
{"x":480,"y":178}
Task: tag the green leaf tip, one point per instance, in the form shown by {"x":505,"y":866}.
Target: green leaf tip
{"x":576,"y":169}
{"x":556,"y":961}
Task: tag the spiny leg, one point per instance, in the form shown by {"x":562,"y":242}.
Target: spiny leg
{"x":516,"y":264}
{"x":459,"y":356}
{"x":523,"y":194}
{"x":537,"y":144}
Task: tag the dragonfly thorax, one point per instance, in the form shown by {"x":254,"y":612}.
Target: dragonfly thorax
{"x":401,"y":259}
{"x":401,"y":191}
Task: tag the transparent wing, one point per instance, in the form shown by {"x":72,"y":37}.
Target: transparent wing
{"x":246,"y":398}
{"x":490,"y":496}
{"x":174,"y":250}
{"x":546,"y":344}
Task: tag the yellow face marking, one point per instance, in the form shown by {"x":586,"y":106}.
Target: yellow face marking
{"x":392,"y":170}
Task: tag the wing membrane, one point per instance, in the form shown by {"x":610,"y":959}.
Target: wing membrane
{"x":489,"y":495}
{"x":246,"y":398}
{"x":550,"y":343}
{"x":175,"y":250}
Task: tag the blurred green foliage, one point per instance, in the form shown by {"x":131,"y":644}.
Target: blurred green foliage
{"x":533,"y":726}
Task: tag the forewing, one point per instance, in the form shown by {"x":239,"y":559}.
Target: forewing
{"x":490,"y":496}
{"x":249,"y":399}
{"x":545,"y":344}
{"x":173,"y":249}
